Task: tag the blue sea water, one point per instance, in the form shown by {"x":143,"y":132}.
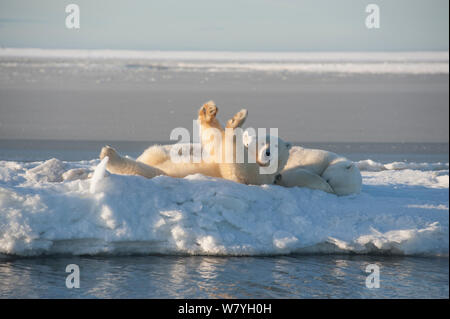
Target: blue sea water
{"x":225,"y":277}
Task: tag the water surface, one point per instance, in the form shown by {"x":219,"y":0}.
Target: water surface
{"x":225,"y":277}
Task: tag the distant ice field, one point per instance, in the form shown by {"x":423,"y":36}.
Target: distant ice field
{"x":304,"y":62}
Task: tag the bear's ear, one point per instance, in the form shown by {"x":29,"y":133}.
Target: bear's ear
{"x":247,"y":138}
{"x":289,"y":145}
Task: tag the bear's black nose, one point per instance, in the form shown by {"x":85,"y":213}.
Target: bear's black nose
{"x":267,"y":152}
{"x":277,"y":178}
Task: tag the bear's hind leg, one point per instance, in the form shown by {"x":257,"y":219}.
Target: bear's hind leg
{"x":207,"y":115}
{"x":126,"y":166}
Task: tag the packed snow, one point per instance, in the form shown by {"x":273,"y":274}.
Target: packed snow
{"x":56,"y":207}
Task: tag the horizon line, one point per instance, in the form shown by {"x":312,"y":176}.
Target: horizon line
{"x":226,"y":51}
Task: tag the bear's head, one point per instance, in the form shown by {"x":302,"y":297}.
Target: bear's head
{"x":271,"y":153}
{"x":343,"y":176}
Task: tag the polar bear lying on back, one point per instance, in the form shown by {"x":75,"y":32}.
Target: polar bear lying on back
{"x":157,"y":160}
{"x":297,"y":166}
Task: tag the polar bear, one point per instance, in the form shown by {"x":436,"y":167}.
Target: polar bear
{"x":296,"y":166}
{"x":272,"y":150}
{"x":156,"y":160}
{"x":312,"y":168}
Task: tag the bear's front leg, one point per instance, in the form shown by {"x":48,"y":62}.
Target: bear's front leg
{"x":302,"y":178}
{"x":238,"y":119}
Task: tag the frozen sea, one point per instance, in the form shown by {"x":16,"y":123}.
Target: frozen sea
{"x":200,"y":237}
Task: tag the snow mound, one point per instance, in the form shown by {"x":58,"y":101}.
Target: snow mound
{"x":46,"y":210}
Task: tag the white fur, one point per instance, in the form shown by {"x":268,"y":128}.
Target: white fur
{"x":316,"y":169}
{"x":298,"y":166}
{"x":321,"y":169}
{"x":156,"y":161}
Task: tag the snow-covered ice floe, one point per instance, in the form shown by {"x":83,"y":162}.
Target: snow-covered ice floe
{"x":56,"y":207}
